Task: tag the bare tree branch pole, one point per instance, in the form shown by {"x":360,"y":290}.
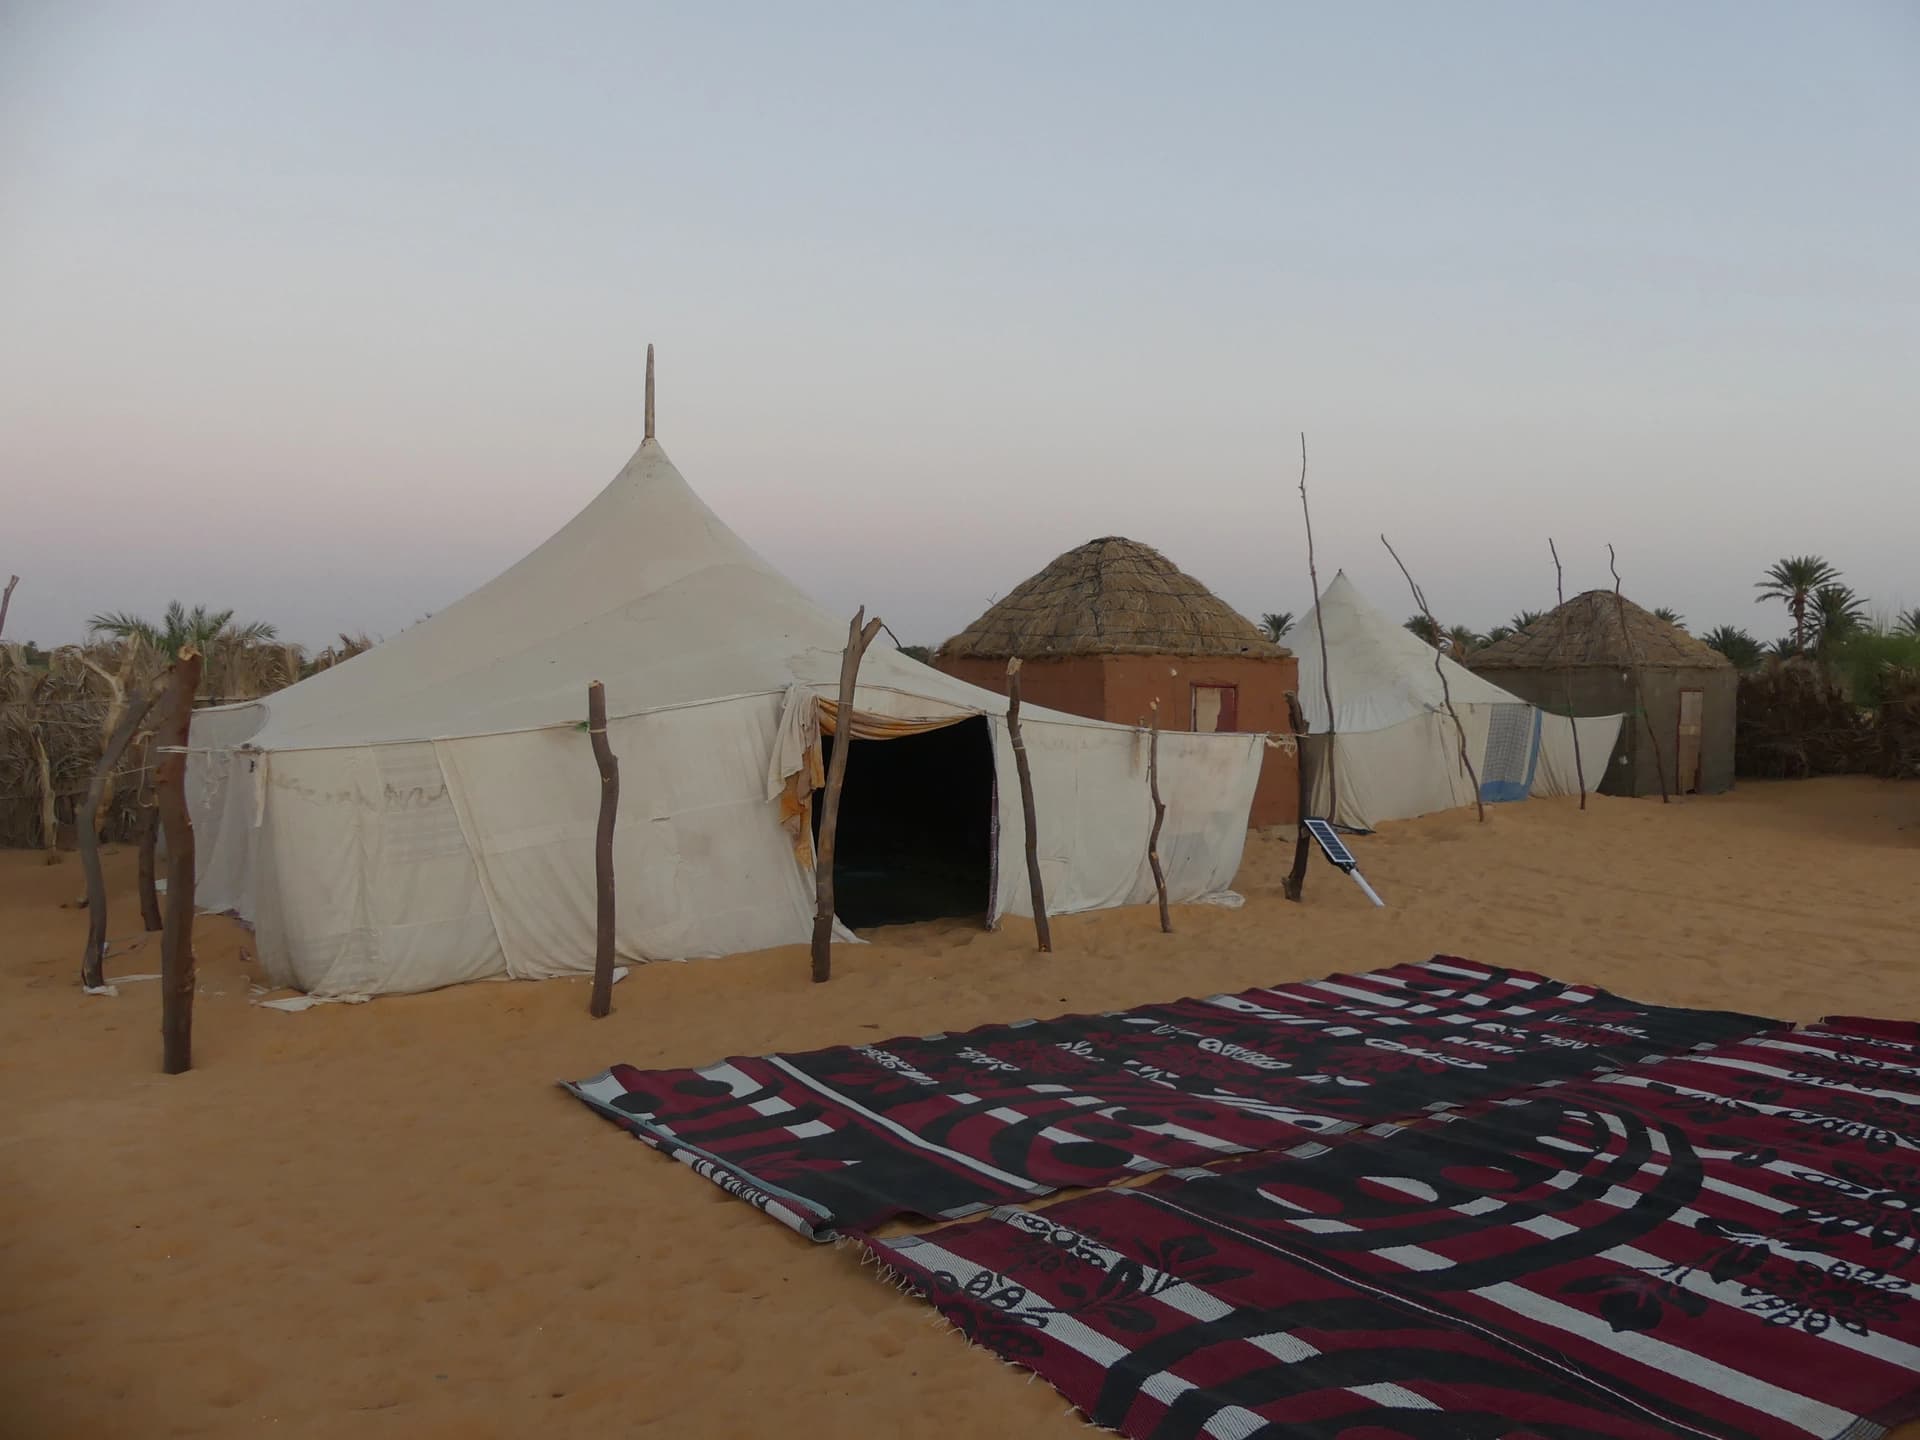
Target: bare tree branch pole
{"x":1326,"y":672}
{"x":1159,"y":815}
{"x":1446,"y":691}
{"x":176,"y":937}
{"x":601,"y":1001}
{"x":88,"y":833}
{"x":859,"y":636}
{"x":150,"y":918}
{"x":1639,"y":695}
{"x":1295,"y":883}
{"x":6,"y":597}
{"x":1043,"y":932}
{"x":1560,"y":598}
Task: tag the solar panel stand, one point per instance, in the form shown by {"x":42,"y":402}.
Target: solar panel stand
{"x":1339,"y":856}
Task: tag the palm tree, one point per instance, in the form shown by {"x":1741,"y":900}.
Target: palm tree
{"x":1907,"y":622}
{"x":1277,"y":623}
{"x":1793,"y":581}
{"x":1460,"y":639}
{"x":1498,"y":633}
{"x":1837,"y":613}
{"x":199,"y":627}
{"x":1672,"y":616}
{"x":1527,"y":619}
{"x":1736,"y":644}
{"x":1785,"y":648}
{"x":1426,"y":629}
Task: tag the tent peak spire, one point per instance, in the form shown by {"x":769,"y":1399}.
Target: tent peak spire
{"x":649,"y":434}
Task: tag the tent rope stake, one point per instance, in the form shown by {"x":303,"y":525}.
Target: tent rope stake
{"x":859,"y":636}
{"x":609,"y":765}
{"x":1043,"y":932}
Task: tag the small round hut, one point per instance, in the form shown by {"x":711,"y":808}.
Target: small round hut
{"x":1678,"y":694}
{"x":1112,"y":626}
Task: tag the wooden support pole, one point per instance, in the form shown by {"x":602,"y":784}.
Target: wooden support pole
{"x":87,"y":831}
{"x":1446,"y":691}
{"x":1639,"y":694}
{"x":1159,"y":815}
{"x":860,"y":633}
{"x":1042,"y":930}
{"x":6,"y":597}
{"x":603,"y":756}
{"x":176,"y":936}
{"x":1326,"y":670}
{"x":649,"y":414}
{"x":1560,"y":598}
{"x":150,"y":917}
{"x":1294,"y":886}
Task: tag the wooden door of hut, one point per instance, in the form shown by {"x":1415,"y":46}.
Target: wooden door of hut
{"x":1687,"y":743}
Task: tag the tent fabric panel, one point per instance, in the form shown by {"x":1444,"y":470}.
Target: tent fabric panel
{"x":1557,"y":773}
{"x":1094,"y":814}
{"x":1410,"y":769}
{"x":703,"y":866}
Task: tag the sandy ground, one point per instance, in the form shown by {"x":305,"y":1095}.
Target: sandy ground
{"x":384,"y":1220}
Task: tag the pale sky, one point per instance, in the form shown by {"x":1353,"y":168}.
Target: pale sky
{"x":330,"y":312}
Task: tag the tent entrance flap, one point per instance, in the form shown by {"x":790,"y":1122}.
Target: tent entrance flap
{"x":915,"y":834}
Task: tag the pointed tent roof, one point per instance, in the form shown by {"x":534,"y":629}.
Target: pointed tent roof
{"x":1587,"y":631}
{"x":1382,"y":673}
{"x":1110,"y":596}
{"x":645,"y":589}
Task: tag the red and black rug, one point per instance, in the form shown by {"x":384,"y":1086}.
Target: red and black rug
{"x":1722,"y":1244}
{"x":944,"y":1126}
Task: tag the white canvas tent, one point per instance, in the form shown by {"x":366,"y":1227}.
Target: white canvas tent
{"x":1396,"y":753}
{"x":423,"y":814}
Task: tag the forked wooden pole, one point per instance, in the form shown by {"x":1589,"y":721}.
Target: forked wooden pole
{"x":88,"y":834}
{"x":176,"y":937}
{"x":1446,"y":691}
{"x":1639,"y":694}
{"x":1294,"y":886}
{"x":1042,"y":931}
{"x":602,"y":1001}
{"x":1560,"y":598}
{"x":859,"y":636}
{"x":1159,"y":816}
{"x":6,"y":596}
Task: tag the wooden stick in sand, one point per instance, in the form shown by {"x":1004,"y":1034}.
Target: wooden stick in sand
{"x":1042,"y":931}
{"x":88,"y":834}
{"x":6,"y":599}
{"x":149,"y":811}
{"x":860,"y":634}
{"x":1159,"y":815}
{"x":176,"y":936}
{"x":1294,"y":886}
{"x":1560,"y":598}
{"x":1639,"y":695}
{"x":1446,"y":691}
{"x":1326,"y":673}
{"x":602,"y":1000}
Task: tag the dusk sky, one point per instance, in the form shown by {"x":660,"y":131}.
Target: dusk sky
{"x":330,"y":312}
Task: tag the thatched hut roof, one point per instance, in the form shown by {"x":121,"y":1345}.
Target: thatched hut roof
{"x":1586,"y":631}
{"x":1110,"y":596}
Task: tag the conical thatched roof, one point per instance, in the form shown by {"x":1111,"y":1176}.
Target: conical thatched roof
{"x":1586,"y":631}
{"x":1110,"y":597}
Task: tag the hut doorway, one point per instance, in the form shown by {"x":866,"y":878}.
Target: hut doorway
{"x":1687,"y":742}
{"x":915,"y":836}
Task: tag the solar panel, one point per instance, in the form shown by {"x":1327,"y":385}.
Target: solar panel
{"x":1335,"y":848}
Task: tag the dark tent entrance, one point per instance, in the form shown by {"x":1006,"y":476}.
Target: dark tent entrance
{"x":915,"y":836}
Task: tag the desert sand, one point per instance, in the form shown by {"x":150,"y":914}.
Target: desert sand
{"x":385,"y":1219}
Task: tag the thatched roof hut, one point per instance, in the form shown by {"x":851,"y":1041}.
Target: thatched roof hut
{"x":1116,"y":631}
{"x":1587,"y":631}
{"x":1110,"y":596}
{"x":1688,"y":690}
